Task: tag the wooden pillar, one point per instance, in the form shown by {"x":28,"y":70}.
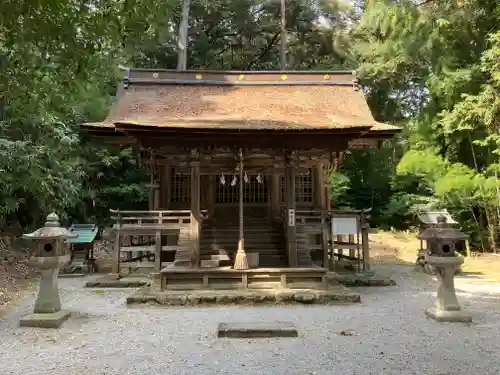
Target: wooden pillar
{"x":291,"y":234}
{"x":194,"y":233}
{"x":365,"y":227}
{"x":275,"y":194}
{"x":158,"y":245}
{"x":117,"y":248}
{"x":165,"y":188}
{"x":156,"y":197}
{"x":319,"y":188}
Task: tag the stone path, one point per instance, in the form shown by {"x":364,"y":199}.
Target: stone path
{"x":387,"y":334}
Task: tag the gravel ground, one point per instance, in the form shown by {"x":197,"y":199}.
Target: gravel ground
{"x":390,"y":336}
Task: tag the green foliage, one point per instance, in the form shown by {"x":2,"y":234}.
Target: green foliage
{"x":433,"y":68}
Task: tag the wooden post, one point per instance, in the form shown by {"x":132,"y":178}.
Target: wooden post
{"x":116,"y":252}
{"x":195,"y":213}
{"x":291,"y":235}
{"x":319,"y":188}
{"x":324,"y":239}
{"x":165,"y":188}
{"x":158,"y":246}
{"x":156,"y":196}
{"x":365,"y":226}
{"x":151,"y":197}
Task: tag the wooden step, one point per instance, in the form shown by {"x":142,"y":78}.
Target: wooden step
{"x":273,"y":251}
{"x":214,"y":263}
{"x":214,"y":257}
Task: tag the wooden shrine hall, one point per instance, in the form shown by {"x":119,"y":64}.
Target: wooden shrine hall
{"x":238,"y":164}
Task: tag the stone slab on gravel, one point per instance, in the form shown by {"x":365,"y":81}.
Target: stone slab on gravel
{"x":50,"y":320}
{"x":114,"y":282}
{"x":352,"y":280}
{"x":335,"y":295}
{"x":245,"y":330}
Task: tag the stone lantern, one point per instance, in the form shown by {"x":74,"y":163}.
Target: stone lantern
{"x":441,"y":256}
{"x":50,"y":255}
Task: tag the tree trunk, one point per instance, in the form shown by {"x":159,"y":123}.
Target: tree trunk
{"x":283,"y":36}
{"x":183,"y":36}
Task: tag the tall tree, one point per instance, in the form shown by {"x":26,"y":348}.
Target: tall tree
{"x":182,"y":44}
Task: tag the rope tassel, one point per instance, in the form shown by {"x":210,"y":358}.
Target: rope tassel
{"x":241,"y":261}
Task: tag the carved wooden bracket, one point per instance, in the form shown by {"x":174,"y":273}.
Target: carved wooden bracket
{"x":291,"y":159}
{"x":194,"y":157}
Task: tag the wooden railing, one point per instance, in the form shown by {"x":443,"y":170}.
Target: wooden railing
{"x":314,"y":224}
{"x":151,"y":219}
{"x":142,"y":236}
{"x":317,"y":224}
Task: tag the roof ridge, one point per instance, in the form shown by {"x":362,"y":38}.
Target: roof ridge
{"x":239,"y":78}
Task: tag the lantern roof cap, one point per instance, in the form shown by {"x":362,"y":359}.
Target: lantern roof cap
{"x":442,"y":232}
{"x":51,"y":230}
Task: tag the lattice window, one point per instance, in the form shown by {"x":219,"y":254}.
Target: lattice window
{"x":181,"y":188}
{"x":303,"y":189}
{"x":226,"y":193}
{"x":253,"y":191}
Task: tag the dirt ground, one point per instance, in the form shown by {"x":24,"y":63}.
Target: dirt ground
{"x":401,"y":248}
{"x":15,"y":275}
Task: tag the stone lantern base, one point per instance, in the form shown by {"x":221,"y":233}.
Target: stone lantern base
{"x":457,"y":316}
{"x":447,"y":308}
{"x":47,"y":312}
{"x":46,"y":320}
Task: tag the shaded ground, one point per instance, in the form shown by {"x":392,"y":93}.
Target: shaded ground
{"x":14,"y":273}
{"x":388,"y":334}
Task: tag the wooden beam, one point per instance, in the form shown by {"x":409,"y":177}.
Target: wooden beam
{"x":218,"y":170}
{"x":297,"y":141}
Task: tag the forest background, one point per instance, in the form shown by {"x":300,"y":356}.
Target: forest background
{"x":431,"y":67}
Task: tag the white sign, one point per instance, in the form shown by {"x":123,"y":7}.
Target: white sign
{"x":344,"y":226}
{"x":291,"y":217}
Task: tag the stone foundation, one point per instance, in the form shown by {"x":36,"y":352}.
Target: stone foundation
{"x":356,"y":280}
{"x":112,"y":281}
{"x":336,"y":295}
